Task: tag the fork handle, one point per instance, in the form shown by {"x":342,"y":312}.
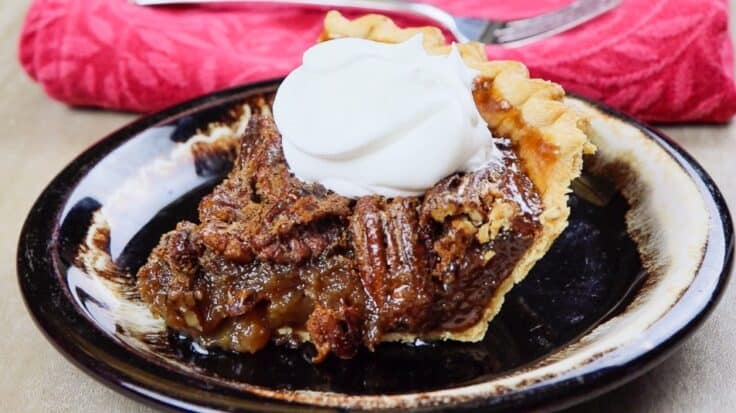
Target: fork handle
{"x":426,"y":11}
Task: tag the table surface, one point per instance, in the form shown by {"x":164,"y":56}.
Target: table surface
{"x":44,"y":135}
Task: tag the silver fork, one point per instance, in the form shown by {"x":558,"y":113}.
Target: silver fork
{"x":510,"y":33}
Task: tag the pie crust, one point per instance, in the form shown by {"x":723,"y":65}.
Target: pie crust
{"x":549,"y":137}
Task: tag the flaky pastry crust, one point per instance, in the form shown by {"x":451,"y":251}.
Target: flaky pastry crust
{"x":549,"y":137}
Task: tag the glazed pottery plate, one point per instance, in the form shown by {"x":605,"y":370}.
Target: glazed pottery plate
{"x":625,"y":283}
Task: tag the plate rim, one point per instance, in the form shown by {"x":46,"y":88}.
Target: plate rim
{"x":35,"y":239}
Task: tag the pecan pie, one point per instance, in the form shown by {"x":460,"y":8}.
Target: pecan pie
{"x":277,"y":259}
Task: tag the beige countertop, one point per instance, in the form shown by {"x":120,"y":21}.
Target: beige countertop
{"x":41,"y":136}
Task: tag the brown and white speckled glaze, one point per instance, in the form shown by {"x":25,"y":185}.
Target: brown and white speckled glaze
{"x":681,"y":228}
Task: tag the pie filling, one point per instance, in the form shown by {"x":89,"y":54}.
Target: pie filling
{"x":277,"y":259}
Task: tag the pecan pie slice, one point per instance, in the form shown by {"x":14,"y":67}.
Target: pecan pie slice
{"x":277,"y":259}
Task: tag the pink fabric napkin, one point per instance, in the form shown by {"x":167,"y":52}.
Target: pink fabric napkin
{"x":660,"y":60}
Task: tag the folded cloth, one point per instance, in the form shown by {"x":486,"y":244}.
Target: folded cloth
{"x":659,"y":60}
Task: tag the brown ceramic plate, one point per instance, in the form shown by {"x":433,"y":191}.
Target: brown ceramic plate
{"x":618,"y":291}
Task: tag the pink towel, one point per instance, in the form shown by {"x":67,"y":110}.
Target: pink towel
{"x":659,"y":60}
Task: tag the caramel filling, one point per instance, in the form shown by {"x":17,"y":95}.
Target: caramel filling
{"x":273,"y":258}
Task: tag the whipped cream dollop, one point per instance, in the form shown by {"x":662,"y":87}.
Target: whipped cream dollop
{"x":362,"y":117}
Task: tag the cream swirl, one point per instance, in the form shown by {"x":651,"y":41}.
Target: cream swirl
{"x":362,"y":117}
